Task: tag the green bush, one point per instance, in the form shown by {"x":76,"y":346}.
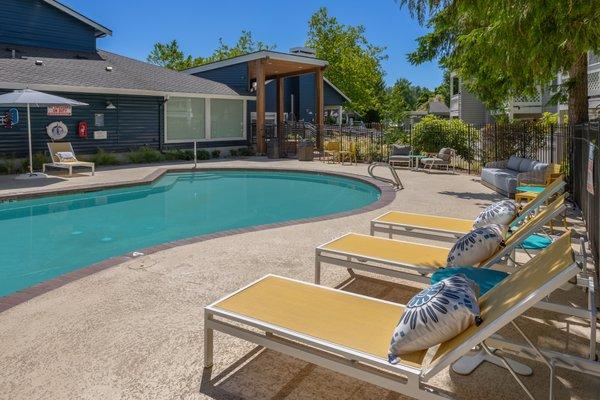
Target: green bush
{"x":202,"y":154}
{"x":39,"y":159}
{"x":246,"y":151}
{"x":10,"y":165}
{"x":234,"y":153}
{"x":396,"y":135}
{"x":432,"y":134}
{"x":215,"y":153}
{"x":145,"y":155}
{"x":103,"y":158}
{"x":179,"y":154}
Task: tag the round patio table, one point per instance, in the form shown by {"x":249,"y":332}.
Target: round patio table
{"x":531,"y":189}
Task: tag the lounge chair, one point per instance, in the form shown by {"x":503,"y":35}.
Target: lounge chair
{"x":56,"y":148}
{"x":350,"y":334}
{"x":415,"y":261}
{"x":397,"y":222}
{"x":445,"y":158}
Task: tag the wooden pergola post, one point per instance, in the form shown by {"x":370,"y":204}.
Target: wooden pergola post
{"x":280,"y":110}
{"x":320,"y":106}
{"x":261,"y":144}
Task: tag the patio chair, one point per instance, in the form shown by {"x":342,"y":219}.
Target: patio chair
{"x":350,"y":155}
{"x":415,"y":261}
{"x":331,"y":151}
{"x":445,"y":158}
{"x":350,"y":333}
{"x":399,"y":155}
{"x":63,"y":156}
{"x":397,"y":222}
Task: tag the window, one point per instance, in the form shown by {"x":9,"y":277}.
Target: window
{"x":185,"y":119}
{"x":455,"y":85}
{"x":226,"y":118}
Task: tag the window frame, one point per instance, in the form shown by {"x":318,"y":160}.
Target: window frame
{"x":207,"y":120}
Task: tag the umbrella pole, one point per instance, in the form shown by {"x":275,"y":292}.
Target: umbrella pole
{"x":30,"y":146}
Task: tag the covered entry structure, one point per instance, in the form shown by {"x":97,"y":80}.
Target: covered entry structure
{"x":289,"y":84}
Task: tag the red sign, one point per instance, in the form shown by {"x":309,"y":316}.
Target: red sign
{"x":60,"y":111}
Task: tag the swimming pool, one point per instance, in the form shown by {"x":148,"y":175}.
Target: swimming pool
{"x":46,"y":237}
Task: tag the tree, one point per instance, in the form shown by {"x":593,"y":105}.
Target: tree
{"x":354,"y":63}
{"x":443,"y":90}
{"x":507,"y":48}
{"x":404,"y":97}
{"x":169,"y":55}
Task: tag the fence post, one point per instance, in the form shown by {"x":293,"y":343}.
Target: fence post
{"x":469,"y":155}
{"x":551,"y":143}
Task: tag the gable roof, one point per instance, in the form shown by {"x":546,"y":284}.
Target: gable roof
{"x":257,"y":55}
{"x":99,"y":72}
{"x":100,"y":29}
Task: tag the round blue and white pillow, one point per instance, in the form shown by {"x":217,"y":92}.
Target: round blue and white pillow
{"x":435,"y":315}
{"x":501,"y":213}
{"x":476,"y":246}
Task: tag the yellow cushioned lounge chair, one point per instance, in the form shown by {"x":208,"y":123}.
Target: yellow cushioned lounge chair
{"x":57,"y":162}
{"x":397,"y":222}
{"x":415,"y":261}
{"x":350,"y":333}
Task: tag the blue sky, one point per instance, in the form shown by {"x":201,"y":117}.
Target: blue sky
{"x":198,"y":25}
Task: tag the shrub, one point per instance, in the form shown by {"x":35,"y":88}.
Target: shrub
{"x":432,"y":133}
{"x":103,"y":158}
{"x":396,"y":135}
{"x":179,"y":154}
{"x":39,"y":159}
{"x":145,"y":155}
{"x":9,"y":165}
{"x":246,"y":151}
{"x":234,"y":153}
{"x":202,"y":154}
{"x":215,"y":153}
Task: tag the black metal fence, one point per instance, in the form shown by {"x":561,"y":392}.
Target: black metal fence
{"x":583,"y":172}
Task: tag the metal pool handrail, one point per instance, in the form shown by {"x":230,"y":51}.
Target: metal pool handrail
{"x":396,"y":182}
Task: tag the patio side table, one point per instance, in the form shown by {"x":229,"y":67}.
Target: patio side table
{"x":415,"y":159}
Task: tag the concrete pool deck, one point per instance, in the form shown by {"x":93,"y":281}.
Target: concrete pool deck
{"x":134,"y":331}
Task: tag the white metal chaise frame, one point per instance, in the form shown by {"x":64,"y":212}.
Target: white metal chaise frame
{"x":378,"y":371}
{"x":56,"y":163}
{"x":395,"y":228}
{"x":417,"y":273}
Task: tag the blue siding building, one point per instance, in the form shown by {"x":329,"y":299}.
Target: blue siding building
{"x":49,"y":47}
{"x":300,"y":96}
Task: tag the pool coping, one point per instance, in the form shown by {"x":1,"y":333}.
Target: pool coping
{"x":387,"y":195}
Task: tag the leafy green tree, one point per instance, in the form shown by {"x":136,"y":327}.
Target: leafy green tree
{"x":443,"y":90}
{"x":169,"y":55}
{"x":506,"y":48}
{"x":404,"y":97}
{"x":354,"y":63}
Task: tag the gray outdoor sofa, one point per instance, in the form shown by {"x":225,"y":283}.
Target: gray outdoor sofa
{"x":504,"y":176}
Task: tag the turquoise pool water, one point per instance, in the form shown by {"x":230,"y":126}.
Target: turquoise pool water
{"x":43,"y":238}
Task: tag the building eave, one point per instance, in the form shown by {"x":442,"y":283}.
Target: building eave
{"x":100,"y":29}
{"x":257,"y":56}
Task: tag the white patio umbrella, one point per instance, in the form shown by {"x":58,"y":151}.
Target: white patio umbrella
{"x":31,"y":98}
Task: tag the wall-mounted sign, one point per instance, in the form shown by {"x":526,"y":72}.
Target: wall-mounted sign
{"x":98,"y":119}
{"x":9,"y":118}
{"x":57,"y":130}
{"x":60,"y":111}
{"x":590,"y":171}
{"x":100,"y":135}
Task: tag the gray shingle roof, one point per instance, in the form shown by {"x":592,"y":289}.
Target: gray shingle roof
{"x":89,"y":70}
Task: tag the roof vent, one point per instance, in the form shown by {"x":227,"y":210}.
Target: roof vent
{"x":39,"y":62}
{"x":304,"y":51}
{"x":109,"y":68}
